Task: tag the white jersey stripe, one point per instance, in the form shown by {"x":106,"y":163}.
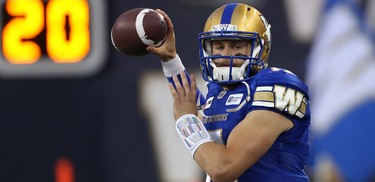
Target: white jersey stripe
{"x":264,"y":88}
{"x":265,"y":104}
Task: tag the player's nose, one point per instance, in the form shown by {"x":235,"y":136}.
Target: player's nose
{"x":227,"y":51}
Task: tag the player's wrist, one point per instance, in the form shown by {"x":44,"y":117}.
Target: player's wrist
{"x":168,"y":58}
{"x":173,"y":66}
{"x":192,"y":132}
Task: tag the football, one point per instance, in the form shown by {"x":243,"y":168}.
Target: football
{"x":138,"y":28}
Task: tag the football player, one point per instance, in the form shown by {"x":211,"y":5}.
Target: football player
{"x":255,"y":120}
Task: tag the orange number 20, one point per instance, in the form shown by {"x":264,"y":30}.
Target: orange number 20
{"x":28,"y":22}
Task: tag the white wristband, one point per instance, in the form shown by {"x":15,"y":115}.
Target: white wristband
{"x":192,"y":132}
{"x":172,"y":67}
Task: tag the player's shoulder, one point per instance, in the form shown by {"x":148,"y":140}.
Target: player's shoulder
{"x":280,"y":90}
{"x":278,"y":76}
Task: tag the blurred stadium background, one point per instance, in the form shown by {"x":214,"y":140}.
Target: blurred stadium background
{"x":108,"y":118}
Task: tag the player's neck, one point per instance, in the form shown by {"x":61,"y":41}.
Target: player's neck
{"x":230,"y":86}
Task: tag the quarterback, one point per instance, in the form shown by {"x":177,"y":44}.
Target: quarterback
{"x":253,"y":124}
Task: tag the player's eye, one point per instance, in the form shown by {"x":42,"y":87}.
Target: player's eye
{"x":239,"y":45}
{"x":218,"y":47}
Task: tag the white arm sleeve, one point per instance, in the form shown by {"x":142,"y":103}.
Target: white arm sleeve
{"x":192,"y":132}
{"x":173,"y":67}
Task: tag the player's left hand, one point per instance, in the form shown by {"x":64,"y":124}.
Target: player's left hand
{"x":184,"y":95}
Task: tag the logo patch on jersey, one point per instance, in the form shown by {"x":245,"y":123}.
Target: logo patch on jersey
{"x":208,"y":103}
{"x":281,"y":98}
{"x":221,"y":95}
{"x":234,"y":99}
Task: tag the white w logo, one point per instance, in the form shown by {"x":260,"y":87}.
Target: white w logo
{"x":289,"y":100}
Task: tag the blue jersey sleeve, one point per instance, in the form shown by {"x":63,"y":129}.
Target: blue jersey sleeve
{"x":281,"y":91}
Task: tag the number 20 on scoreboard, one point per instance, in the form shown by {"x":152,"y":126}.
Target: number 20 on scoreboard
{"x":52,"y":38}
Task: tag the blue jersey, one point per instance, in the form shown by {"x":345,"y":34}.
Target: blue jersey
{"x":272,"y":89}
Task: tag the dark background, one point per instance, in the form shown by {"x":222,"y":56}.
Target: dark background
{"x":96,"y":122}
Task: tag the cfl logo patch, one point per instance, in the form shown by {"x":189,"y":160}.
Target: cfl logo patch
{"x":234,"y":99}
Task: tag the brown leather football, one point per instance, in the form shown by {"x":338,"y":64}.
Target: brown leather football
{"x":137,"y":28}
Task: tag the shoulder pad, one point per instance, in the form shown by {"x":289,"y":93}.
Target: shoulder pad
{"x":280,"y":89}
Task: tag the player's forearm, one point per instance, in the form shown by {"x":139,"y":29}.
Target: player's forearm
{"x":244,"y":147}
{"x":228,"y":163}
{"x":217,"y":162}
